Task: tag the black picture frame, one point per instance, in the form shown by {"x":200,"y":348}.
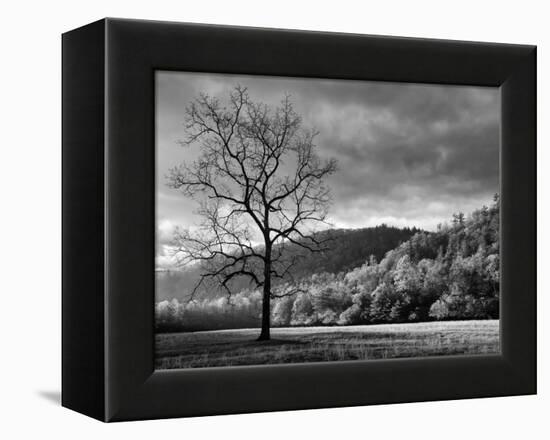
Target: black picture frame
{"x":109,"y":208}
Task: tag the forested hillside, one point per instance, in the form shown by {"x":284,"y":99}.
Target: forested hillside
{"x":452,"y":273}
{"x":346,"y":249}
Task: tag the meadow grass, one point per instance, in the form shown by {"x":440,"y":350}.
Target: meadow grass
{"x":318,"y":344}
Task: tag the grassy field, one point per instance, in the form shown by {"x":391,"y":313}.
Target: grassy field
{"x":316,"y":344}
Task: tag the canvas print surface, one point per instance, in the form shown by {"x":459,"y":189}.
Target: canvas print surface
{"x":312,"y":220}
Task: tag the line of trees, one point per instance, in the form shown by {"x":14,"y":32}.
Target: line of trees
{"x":349,"y":248}
{"x":450,"y":274}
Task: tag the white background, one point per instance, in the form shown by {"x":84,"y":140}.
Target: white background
{"x":30,"y":186}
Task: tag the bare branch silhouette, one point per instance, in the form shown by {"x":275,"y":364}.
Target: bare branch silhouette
{"x":260,"y":186}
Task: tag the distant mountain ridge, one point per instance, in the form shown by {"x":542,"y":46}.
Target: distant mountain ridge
{"x":348,"y":249}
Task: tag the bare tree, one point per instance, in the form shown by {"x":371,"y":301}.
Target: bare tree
{"x":259,"y":183}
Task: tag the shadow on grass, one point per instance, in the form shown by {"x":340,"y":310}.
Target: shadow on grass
{"x":275,"y":342}
{"x":219,"y":347}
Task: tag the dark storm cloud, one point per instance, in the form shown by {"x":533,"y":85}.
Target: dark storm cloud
{"x":408,"y":154}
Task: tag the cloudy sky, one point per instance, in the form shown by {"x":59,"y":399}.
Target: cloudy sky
{"x":408,"y":154}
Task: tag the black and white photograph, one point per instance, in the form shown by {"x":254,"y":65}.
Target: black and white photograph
{"x":315,"y":220}
{"x":299,"y":220}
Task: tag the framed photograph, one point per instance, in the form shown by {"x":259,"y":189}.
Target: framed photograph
{"x":261,"y":220}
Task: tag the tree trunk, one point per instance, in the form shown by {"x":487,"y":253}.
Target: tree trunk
{"x":266,"y":306}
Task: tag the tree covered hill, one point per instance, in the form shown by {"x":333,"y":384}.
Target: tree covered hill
{"x":346,"y":249}
{"x":452,"y":273}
